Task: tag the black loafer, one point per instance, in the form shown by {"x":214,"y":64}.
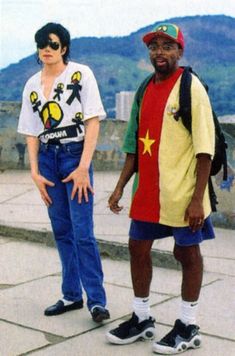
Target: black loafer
{"x":99,"y":314}
{"x":60,"y":308}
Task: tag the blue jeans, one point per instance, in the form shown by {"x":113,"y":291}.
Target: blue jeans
{"x":72,"y":225}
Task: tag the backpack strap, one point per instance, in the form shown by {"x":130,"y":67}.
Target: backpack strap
{"x":186,"y":116}
{"x":212,"y":195}
{"x":185,"y":104}
{"x":221,"y":145}
{"x":185,"y":111}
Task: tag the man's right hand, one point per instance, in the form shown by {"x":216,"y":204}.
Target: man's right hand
{"x":41,"y":182}
{"x":127,"y":172}
{"x":113,"y":201}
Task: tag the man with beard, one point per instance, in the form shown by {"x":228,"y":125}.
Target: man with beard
{"x":170,"y":190}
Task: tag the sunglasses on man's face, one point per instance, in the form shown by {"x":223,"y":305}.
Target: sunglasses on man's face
{"x":52,"y":44}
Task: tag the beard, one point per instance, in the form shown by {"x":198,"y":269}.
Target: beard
{"x":162,"y":69}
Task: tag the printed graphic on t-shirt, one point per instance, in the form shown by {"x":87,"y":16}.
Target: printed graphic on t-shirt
{"x":51,"y":114}
{"x":58,"y":91}
{"x":34,"y":100}
{"x":75,"y":87}
{"x":78,"y":121}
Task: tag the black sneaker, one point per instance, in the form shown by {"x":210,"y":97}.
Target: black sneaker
{"x":132,"y":330}
{"x":99,"y":314}
{"x":179,"y":339}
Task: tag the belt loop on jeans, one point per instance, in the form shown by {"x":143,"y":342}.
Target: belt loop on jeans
{"x":44,"y":146}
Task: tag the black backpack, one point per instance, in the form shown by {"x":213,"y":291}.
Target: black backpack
{"x":220,"y":157}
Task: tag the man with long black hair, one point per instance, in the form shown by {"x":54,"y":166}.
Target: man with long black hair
{"x":60,"y":116}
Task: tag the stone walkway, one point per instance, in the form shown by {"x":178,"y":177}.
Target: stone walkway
{"x":30,"y":281}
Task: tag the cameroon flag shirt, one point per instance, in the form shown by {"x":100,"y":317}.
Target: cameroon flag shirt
{"x":166,"y":176}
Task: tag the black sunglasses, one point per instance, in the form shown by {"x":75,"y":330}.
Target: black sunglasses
{"x":52,"y":44}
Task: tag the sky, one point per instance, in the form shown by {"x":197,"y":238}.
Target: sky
{"x":20,"y":19}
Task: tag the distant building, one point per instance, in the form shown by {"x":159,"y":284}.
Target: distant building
{"x":124,"y":101}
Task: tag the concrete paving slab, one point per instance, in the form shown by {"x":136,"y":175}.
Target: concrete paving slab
{"x":220,"y":265}
{"x":164,"y":281}
{"x":16,"y":215}
{"x":24,"y":261}
{"x":39,"y":227}
{"x":222,"y":246}
{"x":5,"y":240}
{"x":216,"y":311}
{"x":11,"y":191}
{"x":21,"y":305}
{"x":38,"y":286}
{"x":16,"y":177}
{"x":211,"y":346}
{"x":94,"y":344}
{"x":28,"y":197}
{"x":166,"y":244}
{"x":24,"y":304}
{"x":214,"y":315}
{"x":107,"y":181}
{"x":219,"y":253}
{"x":117,"y":225}
{"x":17,"y":340}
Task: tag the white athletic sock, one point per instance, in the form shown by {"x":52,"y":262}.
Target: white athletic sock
{"x":67,"y":302}
{"x":188,"y":312}
{"x":141,"y":308}
{"x":96,"y":306}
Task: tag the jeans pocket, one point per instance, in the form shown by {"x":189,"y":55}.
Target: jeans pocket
{"x":75,"y":150}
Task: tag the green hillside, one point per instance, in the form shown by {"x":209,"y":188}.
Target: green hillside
{"x":120,"y":63}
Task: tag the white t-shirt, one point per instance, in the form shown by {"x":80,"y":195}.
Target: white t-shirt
{"x":74,"y":98}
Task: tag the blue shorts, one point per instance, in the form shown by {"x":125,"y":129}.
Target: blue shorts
{"x":183,"y":236}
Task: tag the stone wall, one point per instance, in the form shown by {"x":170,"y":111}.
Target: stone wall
{"x":13,"y":153}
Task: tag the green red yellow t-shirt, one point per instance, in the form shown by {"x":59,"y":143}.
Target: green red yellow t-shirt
{"x":166,"y":176}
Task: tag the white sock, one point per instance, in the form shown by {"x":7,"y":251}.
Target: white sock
{"x":188,"y":312}
{"x":141,"y":308}
{"x":95,"y":306}
{"x":67,"y":302}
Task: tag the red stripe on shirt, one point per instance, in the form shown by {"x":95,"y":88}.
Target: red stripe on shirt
{"x":146,"y":203}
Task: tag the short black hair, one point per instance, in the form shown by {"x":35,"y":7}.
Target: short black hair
{"x":42,"y":35}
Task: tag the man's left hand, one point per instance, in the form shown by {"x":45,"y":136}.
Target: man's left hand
{"x":194,"y":214}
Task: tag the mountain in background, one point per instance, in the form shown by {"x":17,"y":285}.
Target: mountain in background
{"x":120,"y":63}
